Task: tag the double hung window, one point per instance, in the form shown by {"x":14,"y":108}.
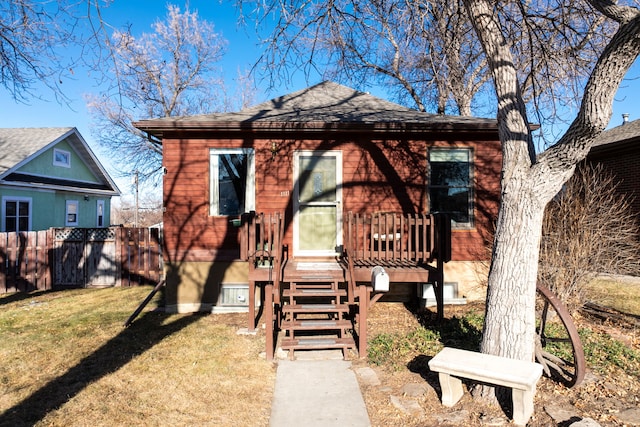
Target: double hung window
{"x":16,"y":214}
{"x":71,"y":218}
{"x":232,"y":181}
{"x":451,"y":184}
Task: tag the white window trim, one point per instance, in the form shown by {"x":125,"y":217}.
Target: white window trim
{"x":250,"y":196}
{"x":65,"y":154}
{"x":6,"y":199}
{"x":99,"y":204}
{"x":337,"y":154}
{"x":448,"y":151}
{"x":68,"y":223}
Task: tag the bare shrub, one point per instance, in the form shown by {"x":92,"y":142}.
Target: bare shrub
{"x":588,"y":229}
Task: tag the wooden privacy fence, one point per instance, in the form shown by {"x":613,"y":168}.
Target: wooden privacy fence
{"x":79,"y":257}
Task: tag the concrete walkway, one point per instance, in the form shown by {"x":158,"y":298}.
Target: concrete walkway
{"x":317,"y":393}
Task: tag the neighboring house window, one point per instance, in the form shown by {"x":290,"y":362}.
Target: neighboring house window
{"x":16,"y":213}
{"x":100,"y":213}
{"x":61,"y":158}
{"x":72,"y":213}
{"x":450,"y":184}
{"x":232,"y":181}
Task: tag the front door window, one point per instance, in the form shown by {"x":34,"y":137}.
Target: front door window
{"x":317,"y":223}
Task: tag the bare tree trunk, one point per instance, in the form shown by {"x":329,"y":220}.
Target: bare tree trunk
{"x":509,"y":327}
{"x":529,"y":181}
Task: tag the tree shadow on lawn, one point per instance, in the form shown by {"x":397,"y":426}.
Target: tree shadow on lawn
{"x":142,"y":335}
{"x":458,"y":332}
{"x":455,"y":332}
{"x":20,"y":296}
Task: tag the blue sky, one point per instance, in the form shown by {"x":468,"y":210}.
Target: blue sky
{"x":242,"y":52}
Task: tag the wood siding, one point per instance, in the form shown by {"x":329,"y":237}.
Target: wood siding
{"x":379,"y":175}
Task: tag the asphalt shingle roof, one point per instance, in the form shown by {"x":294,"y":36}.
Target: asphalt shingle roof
{"x":324,"y":103}
{"x":18,"y":144}
{"x":624,"y":132}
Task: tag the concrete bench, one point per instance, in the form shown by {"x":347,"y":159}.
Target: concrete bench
{"x":520,"y":376}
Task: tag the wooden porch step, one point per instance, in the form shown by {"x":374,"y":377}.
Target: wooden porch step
{"x":316,"y":324}
{"x":314,"y":285}
{"x":315,"y":308}
{"x":316,"y":278}
{"x":317,"y":343}
{"x":314,"y":292}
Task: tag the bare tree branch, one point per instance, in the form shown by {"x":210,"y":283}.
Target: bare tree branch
{"x":426,"y":54}
{"x":172,"y":71}
{"x":35,"y":40}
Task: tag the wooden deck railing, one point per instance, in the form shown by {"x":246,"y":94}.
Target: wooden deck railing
{"x":411,"y":247}
{"x":407,"y":243}
{"x":262,"y":237}
{"x":262,"y":247}
{"x":391,"y":237}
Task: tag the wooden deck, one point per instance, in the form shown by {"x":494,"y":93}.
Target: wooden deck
{"x":412,"y":248}
{"x":301,"y":270}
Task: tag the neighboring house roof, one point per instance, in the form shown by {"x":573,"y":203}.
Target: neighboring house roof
{"x":323,"y":107}
{"x":18,"y":146}
{"x":617,"y":137}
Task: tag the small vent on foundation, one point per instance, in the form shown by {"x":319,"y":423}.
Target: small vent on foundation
{"x":233,"y":295}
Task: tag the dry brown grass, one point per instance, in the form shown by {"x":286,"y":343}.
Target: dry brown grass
{"x":403,"y":348}
{"x":67,"y":360}
{"x":621,"y":293}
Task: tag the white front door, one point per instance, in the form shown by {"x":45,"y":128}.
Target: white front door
{"x":317,"y":218}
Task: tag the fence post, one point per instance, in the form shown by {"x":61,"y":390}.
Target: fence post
{"x":12,"y":251}
{"x":45,"y":258}
{"x":3,"y":263}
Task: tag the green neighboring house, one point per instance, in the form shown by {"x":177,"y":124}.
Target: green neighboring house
{"x":49,"y":177}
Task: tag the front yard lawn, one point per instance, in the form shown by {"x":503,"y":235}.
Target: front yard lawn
{"x":66,"y":357}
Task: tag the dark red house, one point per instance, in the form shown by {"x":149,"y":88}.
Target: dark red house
{"x":315,"y":156}
{"x":618,"y":150}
